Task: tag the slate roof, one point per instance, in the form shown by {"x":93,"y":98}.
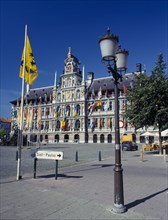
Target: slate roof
{"x":108,"y":83}
{"x":104,"y":83}
{"x":36,"y":93}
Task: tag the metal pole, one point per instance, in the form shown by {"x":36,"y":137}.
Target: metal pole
{"x":20,"y":139}
{"x":56,"y":169}
{"x":19,"y":152}
{"x":118,"y":171}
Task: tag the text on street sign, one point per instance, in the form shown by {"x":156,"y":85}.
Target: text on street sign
{"x":52,"y":155}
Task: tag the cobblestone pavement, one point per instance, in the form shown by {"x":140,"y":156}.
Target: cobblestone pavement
{"x":84,"y":190}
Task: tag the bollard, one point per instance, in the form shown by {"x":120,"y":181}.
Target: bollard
{"x":141,"y":155}
{"x":164,"y":155}
{"x":17,"y":155}
{"x":76,"y":157}
{"x":35,"y":165}
{"x":99,"y":155}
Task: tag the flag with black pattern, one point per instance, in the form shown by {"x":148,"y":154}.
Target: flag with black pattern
{"x":30,"y":73}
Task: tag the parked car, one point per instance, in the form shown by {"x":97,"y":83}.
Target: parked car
{"x":129,"y":145}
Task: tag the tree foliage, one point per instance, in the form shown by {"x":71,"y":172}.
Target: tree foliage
{"x":2,"y":133}
{"x":148,"y":99}
{"x":14,"y":138}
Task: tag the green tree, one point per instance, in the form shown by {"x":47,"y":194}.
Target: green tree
{"x":14,"y":138}
{"x":148,"y":99}
{"x":2,"y":133}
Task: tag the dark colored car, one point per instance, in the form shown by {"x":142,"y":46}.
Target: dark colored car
{"x":129,"y":145}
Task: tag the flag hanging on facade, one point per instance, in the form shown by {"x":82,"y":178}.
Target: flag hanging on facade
{"x":75,"y":110}
{"x":99,"y":123}
{"x":63,"y":123}
{"x":124,"y":89}
{"x":106,"y":93}
{"x":100,"y":93}
{"x":39,"y":111}
{"x":93,"y":94}
{"x":30,"y":73}
{"x":109,"y":123}
{"x":97,"y":105}
{"x":106,"y":105}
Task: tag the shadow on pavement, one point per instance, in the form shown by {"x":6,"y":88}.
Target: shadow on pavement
{"x":138,"y":201}
{"x":10,"y":181}
{"x":14,"y":180}
{"x":59,"y":175}
{"x":96,"y":166}
{"x":104,"y":165}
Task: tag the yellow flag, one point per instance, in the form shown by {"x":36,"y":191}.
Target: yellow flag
{"x":39,"y":116}
{"x":63,"y":123}
{"x":31,"y":72}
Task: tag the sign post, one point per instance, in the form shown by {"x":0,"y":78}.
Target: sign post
{"x":56,"y":169}
{"x":51,"y":155}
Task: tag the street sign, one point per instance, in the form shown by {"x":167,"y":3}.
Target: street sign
{"x":52,"y":155}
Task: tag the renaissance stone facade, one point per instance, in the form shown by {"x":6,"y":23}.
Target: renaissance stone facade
{"x":73,"y":110}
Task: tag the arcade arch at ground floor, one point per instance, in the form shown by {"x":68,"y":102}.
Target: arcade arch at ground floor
{"x":68,"y":138}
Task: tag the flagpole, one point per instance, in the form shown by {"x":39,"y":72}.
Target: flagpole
{"x":20,"y":140}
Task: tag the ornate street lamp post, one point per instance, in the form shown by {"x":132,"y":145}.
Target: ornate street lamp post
{"x":116,"y":61}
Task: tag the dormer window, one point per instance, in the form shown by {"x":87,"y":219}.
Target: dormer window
{"x":68,"y":67}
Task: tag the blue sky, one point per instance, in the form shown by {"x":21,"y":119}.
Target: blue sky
{"x":55,"y":25}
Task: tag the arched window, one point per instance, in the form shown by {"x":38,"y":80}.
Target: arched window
{"x":41,"y":138}
{"x":67,"y":125}
{"x":69,"y":82}
{"x":110,"y":105}
{"x":33,"y":138}
{"x":59,"y":97}
{"x":66,"y":138}
{"x":57,"y":125}
{"x":58,"y":111}
{"x":109,"y":138}
{"x":94,"y":138}
{"x":46,"y":138}
{"x":78,"y":94}
{"x":77,"y":125}
{"x":68,"y":110}
{"x":57,"y":138}
{"x":46,"y":125}
{"x":77,"y":110}
{"x":42,"y":125}
{"x":76,"y":138}
{"x":102,"y":138}
{"x":47,"y":111}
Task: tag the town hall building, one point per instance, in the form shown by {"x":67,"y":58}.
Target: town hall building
{"x":74,"y":110}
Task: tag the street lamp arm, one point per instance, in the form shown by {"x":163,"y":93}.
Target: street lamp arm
{"x":114,"y":72}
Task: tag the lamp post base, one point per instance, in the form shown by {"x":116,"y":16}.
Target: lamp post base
{"x":119,"y":208}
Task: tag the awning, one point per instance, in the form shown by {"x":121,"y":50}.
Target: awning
{"x":147,"y":134}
